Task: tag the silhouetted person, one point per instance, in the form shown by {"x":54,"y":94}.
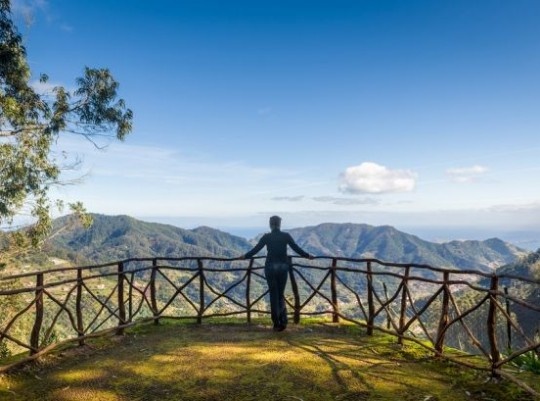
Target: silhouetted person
{"x":276,"y":268}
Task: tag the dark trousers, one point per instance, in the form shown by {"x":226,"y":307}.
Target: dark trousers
{"x":276,"y":277}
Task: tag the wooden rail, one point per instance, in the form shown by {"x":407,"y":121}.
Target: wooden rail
{"x":412,"y":302}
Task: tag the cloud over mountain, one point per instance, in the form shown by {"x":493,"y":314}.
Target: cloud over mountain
{"x":288,"y":198}
{"x":466,"y":174}
{"x":346,"y":201}
{"x":374,"y":178}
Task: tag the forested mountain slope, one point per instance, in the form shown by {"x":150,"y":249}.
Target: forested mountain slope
{"x":119,"y":237}
{"x":389,"y":244}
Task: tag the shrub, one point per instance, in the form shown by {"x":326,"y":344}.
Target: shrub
{"x":529,"y":361}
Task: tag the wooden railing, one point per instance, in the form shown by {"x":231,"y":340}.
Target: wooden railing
{"x":463,"y":316}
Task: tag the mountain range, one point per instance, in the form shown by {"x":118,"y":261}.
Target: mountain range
{"x":113,"y":238}
{"x":119,"y":237}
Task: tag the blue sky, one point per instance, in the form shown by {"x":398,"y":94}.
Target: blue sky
{"x":407,"y":113}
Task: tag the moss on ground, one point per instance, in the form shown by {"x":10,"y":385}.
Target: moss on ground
{"x":226,"y":361}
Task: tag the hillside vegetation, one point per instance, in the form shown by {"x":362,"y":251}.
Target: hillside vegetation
{"x":526,"y":319}
{"x":120,"y":237}
{"x":528,"y":267}
{"x":389,"y":244}
{"x":238,"y":362}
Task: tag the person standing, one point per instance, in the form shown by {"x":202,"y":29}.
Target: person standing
{"x":276,"y":268}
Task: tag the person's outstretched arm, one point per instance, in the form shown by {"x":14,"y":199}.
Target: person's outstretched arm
{"x":256,"y":248}
{"x":297,"y":249}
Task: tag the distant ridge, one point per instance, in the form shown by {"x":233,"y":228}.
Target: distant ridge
{"x":119,"y":237}
{"x":389,"y":244}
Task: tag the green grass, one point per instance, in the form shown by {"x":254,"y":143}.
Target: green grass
{"x":223,"y":360}
{"x":529,"y":361}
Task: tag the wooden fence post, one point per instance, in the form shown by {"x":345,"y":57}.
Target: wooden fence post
{"x":121,"y":305}
{"x":78,"y":307}
{"x":388,"y":318}
{"x":492,"y":325}
{"x":153,"y":297}
{"x":371,"y":306}
{"x":248,"y":290}
{"x":508,"y":323}
{"x":294,"y":286}
{"x":443,"y":321}
{"x":403,"y":308}
{"x":38,"y":321}
{"x":333,"y":289}
{"x":201,"y":291}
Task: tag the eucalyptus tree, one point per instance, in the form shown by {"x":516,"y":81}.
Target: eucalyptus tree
{"x":32,"y":121}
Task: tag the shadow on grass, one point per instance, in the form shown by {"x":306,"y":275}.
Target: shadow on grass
{"x":238,"y":362}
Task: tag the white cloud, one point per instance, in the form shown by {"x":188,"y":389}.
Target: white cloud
{"x":288,"y":198}
{"x":466,"y":174}
{"x":513,"y":208}
{"x":143,"y":180}
{"x":28,"y":8}
{"x":43,"y":88}
{"x":346,"y":201}
{"x":159,"y":166}
{"x":373,"y":178}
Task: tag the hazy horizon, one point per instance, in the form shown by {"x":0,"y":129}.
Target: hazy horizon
{"x":249,"y":227}
{"x":527,"y":239}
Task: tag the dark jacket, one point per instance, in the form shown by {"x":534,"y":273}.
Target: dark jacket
{"x":276,"y":244}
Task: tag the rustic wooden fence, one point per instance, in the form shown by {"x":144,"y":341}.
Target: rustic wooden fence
{"x":464,"y":316}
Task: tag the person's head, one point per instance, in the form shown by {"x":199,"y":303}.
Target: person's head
{"x":275,"y":223}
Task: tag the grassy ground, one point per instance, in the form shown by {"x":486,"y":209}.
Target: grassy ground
{"x":181,"y":361}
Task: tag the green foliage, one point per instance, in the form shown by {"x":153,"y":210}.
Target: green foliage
{"x":529,"y":361}
{"x":30,"y":122}
{"x":4,"y":351}
{"x":527,"y":266}
{"x":97,"y":108}
{"x":44,"y":340}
